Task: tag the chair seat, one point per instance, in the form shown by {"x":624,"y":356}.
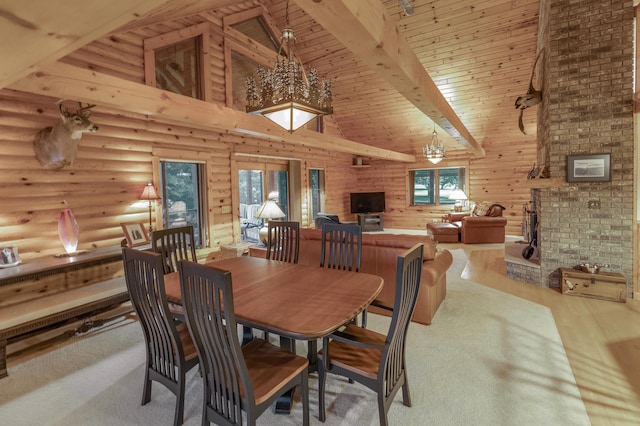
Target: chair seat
{"x":260,"y":357}
{"x":363,"y":361}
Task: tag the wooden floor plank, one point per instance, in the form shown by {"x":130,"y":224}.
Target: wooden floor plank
{"x":601,"y":338}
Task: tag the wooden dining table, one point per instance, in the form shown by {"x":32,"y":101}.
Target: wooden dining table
{"x":297,"y":302}
{"x":301,"y":302}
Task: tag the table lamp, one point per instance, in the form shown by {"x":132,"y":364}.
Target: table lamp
{"x":268,"y":210}
{"x":460,"y":197}
{"x":149,"y":193}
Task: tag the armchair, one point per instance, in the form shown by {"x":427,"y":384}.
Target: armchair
{"x":250,"y":225}
{"x":485,"y":224}
{"x":322,"y":218}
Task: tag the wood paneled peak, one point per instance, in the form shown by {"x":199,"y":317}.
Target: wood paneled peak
{"x":367,"y":30}
{"x":70,"y":82}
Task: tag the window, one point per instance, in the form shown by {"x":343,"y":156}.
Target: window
{"x":175,"y":62}
{"x":433,"y":186}
{"x":183,"y":197}
{"x":316,"y":187}
{"x":177,"y":68}
{"x":257,"y":182}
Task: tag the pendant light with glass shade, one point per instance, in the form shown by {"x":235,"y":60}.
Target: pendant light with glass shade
{"x":434,"y":152}
{"x":285,"y":94}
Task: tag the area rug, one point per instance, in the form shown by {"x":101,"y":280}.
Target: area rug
{"x":488,"y":359}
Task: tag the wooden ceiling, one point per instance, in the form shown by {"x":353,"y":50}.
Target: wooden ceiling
{"x":383,"y":68}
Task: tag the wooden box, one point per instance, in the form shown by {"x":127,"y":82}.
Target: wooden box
{"x":603,"y":285}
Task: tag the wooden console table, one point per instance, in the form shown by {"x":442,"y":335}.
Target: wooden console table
{"x":43,"y":293}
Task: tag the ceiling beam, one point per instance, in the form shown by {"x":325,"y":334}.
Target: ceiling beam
{"x":69,"y":82}
{"x":366,"y":29}
{"x":37,"y":32}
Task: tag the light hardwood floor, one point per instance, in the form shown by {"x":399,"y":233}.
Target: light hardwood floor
{"x":601,"y":338}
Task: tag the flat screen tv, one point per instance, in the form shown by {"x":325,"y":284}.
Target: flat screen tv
{"x":367,"y":202}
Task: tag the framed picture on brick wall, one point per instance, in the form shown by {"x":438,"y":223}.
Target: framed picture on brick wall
{"x":589,"y":168}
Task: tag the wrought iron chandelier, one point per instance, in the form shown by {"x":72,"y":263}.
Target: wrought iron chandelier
{"x":285,"y":94}
{"x":434,"y":152}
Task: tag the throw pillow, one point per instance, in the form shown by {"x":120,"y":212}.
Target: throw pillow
{"x":482,"y":208}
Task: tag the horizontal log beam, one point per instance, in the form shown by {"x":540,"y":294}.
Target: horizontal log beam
{"x":69,"y":82}
{"x":37,"y":32}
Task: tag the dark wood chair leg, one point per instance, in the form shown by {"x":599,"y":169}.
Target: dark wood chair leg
{"x":284,"y":403}
{"x":322,"y":416}
{"x":3,"y":358}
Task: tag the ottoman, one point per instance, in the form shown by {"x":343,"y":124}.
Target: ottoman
{"x":444,"y":232}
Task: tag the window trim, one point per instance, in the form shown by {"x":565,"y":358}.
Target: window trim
{"x":200,"y":31}
{"x":186,"y":156}
{"x":411,"y":188}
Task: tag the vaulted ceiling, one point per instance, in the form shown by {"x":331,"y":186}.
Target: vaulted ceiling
{"x":457,"y":63}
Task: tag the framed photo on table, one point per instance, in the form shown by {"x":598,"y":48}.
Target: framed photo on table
{"x":135,"y":233}
{"x":9,"y":256}
{"x":589,"y":168}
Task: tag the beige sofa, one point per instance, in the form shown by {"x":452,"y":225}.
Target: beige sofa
{"x":379,"y":256}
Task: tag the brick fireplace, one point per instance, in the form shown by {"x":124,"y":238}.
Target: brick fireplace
{"x":587,"y":108}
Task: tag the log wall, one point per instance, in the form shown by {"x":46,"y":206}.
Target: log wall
{"x":115,"y":163}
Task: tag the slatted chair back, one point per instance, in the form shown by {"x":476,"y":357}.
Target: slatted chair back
{"x":170,"y":351}
{"x":392,"y":361}
{"x":175,"y":244}
{"x":235,"y":378}
{"x":283,"y":242}
{"x":341,"y":246}
{"x":373,"y":359}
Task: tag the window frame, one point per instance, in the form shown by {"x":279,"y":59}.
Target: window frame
{"x":202,"y":220}
{"x":201,"y":33}
{"x":321,"y":191}
{"x":186,"y":156}
{"x":436,"y":174}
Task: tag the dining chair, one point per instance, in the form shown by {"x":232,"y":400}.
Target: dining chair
{"x":376,"y":360}
{"x":170,"y":350}
{"x":283,"y":244}
{"x":283,"y":241}
{"x":341,"y":246}
{"x":175,"y":244}
{"x":235,"y":378}
{"x":342,"y":249}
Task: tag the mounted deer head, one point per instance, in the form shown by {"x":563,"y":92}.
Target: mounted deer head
{"x":57,"y":146}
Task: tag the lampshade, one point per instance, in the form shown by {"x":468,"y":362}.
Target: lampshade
{"x":269,"y":210}
{"x":434,"y":152}
{"x":149,"y":193}
{"x":460,"y":197}
{"x":290,"y":115}
{"x":285,"y":94}
{"x":458,"y":194}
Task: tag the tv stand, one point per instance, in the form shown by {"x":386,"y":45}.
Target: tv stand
{"x":370,"y":221}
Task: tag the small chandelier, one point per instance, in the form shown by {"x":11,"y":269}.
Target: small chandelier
{"x":435,"y":151}
{"x":284,"y":94}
